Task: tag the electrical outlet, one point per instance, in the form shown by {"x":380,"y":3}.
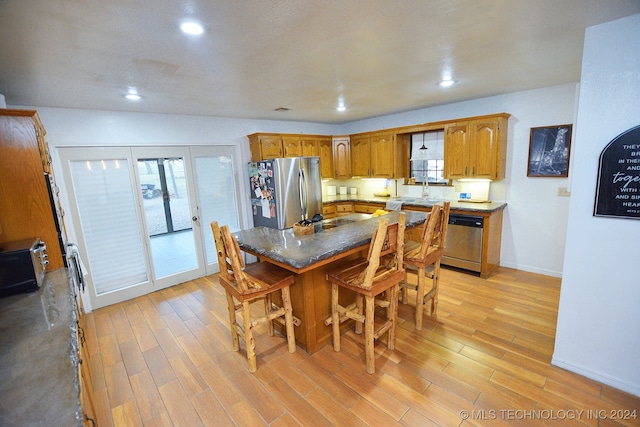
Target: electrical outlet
{"x":562,"y":191}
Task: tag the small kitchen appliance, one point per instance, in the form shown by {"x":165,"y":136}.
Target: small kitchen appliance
{"x":23,"y":264}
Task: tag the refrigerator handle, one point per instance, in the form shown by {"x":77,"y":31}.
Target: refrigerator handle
{"x":302,"y":186}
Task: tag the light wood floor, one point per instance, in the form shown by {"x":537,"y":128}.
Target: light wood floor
{"x":166,"y":359}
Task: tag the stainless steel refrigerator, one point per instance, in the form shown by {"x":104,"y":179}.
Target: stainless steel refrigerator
{"x":285,"y":191}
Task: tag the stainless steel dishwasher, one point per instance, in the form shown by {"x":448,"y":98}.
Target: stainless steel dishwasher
{"x":463,"y":248}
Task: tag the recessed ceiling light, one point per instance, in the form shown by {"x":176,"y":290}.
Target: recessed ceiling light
{"x":446,"y":83}
{"x":192,"y":28}
{"x":132,"y":94}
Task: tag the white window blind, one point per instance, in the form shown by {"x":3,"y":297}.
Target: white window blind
{"x":106,"y":204}
{"x":216,"y":196}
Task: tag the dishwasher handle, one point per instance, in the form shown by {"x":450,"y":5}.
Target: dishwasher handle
{"x":466,"y":220}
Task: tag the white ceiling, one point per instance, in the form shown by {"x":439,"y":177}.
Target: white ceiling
{"x":380,"y":56}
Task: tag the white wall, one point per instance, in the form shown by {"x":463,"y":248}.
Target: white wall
{"x":535,"y":218}
{"x":598,"y":329}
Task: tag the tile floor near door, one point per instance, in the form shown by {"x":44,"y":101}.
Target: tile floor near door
{"x":166,"y":359}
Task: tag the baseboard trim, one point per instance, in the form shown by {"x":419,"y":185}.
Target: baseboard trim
{"x":598,"y":376}
{"x":530,"y":269}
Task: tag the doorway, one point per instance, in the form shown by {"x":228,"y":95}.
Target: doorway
{"x":167,"y":214}
{"x":141,"y":214}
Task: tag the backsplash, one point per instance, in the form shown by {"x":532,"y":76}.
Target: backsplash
{"x":475,"y":190}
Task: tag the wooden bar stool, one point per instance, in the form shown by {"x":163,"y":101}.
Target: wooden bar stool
{"x":248,"y":284}
{"x":423,"y":259}
{"x":371,"y":279}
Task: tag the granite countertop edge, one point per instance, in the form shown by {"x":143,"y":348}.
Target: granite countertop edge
{"x":416,"y":202}
{"x":302,"y":251}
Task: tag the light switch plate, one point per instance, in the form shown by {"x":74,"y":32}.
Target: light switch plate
{"x":563,"y":192}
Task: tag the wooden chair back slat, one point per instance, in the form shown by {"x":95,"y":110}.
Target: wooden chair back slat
{"x":386,"y":239}
{"x":440,"y":233}
{"x":223,"y":264}
{"x":429,"y":230}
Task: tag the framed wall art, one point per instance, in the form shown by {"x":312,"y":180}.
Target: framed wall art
{"x":549,"y":149}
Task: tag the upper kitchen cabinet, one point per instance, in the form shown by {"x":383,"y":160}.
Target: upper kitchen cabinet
{"x":270,"y":146}
{"x":325,"y":151}
{"x":360,"y":156}
{"x":319,"y":146}
{"x":27,"y":211}
{"x":265,"y":146}
{"x":376,"y":155}
{"x":476,"y":148}
{"x":341,"y":158}
{"x":292,"y":146}
{"x":383,"y":156}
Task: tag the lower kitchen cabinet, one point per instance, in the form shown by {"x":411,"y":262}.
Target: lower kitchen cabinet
{"x":367,"y":208}
{"x":344,"y":208}
{"x":329,"y":211}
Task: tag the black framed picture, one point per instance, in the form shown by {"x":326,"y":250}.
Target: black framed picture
{"x":549,"y":149}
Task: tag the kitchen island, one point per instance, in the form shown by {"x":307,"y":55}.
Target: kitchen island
{"x":332,"y":244}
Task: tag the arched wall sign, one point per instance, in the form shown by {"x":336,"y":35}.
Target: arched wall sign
{"x":618,"y":188}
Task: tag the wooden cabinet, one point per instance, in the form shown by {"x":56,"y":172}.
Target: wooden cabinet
{"x":376,"y":155}
{"x":26,"y":210}
{"x":268,"y":146}
{"x":291,"y":146}
{"x":342,"y":158}
{"x":325,"y":151}
{"x":344,"y":208}
{"x":319,"y":146}
{"x":383,"y":156}
{"x":360,"y":156}
{"x":85,"y":380}
{"x":368,"y":208}
{"x":265,"y":146}
{"x":476,"y":148}
{"x":329,"y":211}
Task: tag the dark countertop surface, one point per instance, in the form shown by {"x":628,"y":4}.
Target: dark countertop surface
{"x":302,"y":251}
{"x":37,"y":377}
{"x":408,"y":202}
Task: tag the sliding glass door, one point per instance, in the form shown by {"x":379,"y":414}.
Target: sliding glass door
{"x":142,"y":214}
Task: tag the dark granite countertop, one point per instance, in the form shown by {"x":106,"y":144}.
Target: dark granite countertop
{"x":417,"y":202}
{"x":38,"y":378}
{"x":299,"y":252}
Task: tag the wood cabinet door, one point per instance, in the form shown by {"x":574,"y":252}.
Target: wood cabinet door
{"x":360,"y":157}
{"x":329,"y":211}
{"x":456,"y":151}
{"x":271,"y":146}
{"x":383,"y":157}
{"x":342,"y":158}
{"x":310,"y":147}
{"x":291,"y":146}
{"x":325,"y":151}
{"x":484,"y":149}
{"x":344,"y":208}
{"x":368,"y":208}
{"x":254,"y":147}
